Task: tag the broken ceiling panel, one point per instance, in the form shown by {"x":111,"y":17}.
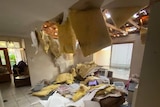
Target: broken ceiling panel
{"x":67,"y":38}
{"x":121,"y":15}
{"x":90,"y":29}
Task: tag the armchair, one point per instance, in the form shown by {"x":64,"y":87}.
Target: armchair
{"x":21,"y":74}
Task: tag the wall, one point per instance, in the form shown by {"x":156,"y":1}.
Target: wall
{"x":79,"y":58}
{"x":41,"y":65}
{"x":9,"y":38}
{"x":137,"y":56}
{"x":102,"y":57}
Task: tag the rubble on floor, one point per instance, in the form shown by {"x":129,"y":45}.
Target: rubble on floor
{"x":81,"y":86}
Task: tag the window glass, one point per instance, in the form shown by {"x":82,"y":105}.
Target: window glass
{"x":116,"y":58}
{"x":121,"y":55}
{"x":121,"y":59}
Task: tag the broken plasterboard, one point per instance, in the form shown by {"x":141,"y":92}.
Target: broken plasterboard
{"x":90,"y":29}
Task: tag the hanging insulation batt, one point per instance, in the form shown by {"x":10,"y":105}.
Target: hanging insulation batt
{"x":90,"y":29}
{"x":44,"y":41}
{"x":66,"y":38}
{"x":54,"y":47}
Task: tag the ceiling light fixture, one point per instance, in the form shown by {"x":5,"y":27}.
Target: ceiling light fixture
{"x":125,"y":33}
{"x":143,"y":12}
{"x":131,"y":29}
{"x":135,"y":16}
{"x":108,"y":15}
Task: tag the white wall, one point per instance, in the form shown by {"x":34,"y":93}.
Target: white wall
{"x":79,"y":58}
{"x":102,"y":57}
{"x":41,"y":65}
{"x":137,"y":56}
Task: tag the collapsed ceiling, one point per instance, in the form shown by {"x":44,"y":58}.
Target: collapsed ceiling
{"x":90,"y":22}
{"x":92,"y":25}
{"x":132,"y":25}
{"x":18,"y":17}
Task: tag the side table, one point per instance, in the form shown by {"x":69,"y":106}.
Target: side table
{"x":23,"y":80}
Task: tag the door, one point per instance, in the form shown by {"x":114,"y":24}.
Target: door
{"x":4,"y":59}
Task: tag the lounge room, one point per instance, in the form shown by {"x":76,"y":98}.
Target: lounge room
{"x":79,"y":53}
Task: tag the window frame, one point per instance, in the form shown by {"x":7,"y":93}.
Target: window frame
{"x":115,"y":43}
{"x":102,"y":58}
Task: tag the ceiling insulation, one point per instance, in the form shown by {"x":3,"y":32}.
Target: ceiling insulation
{"x":90,"y":30}
{"x":67,"y":37}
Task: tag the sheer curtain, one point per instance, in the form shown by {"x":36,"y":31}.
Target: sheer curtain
{"x":121,"y":55}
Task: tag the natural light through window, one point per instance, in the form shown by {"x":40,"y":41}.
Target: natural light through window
{"x":16,"y":53}
{"x":116,"y":58}
{"x":121,"y":60}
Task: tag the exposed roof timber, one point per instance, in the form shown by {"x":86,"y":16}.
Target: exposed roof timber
{"x":134,"y":23}
{"x":112,"y":26}
{"x":115,"y":28}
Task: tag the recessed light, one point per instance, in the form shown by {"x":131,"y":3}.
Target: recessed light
{"x":108,"y":15}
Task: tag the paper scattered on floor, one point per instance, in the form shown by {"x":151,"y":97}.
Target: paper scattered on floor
{"x":56,"y":100}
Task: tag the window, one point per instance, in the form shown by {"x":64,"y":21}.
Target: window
{"x":15,"y":52}
{"x":116,"y":58}
{"x":121,"y":55}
